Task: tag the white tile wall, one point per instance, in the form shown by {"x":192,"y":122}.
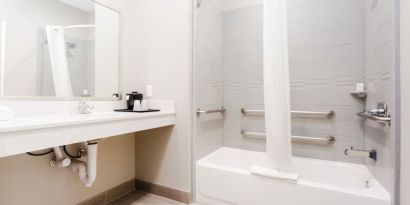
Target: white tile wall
{"x":326,"y":60}
{"x":208,"y":77}
{"x":379,"y":71}
{"x":243,"y":74}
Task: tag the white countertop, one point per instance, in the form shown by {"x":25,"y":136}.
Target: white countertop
{"x":34,"y":131}
{"x":19,"y":124}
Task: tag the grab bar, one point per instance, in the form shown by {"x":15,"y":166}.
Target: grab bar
{"x":252,"y":112}
{"x":379,"y":119}
{"x":296,"y":139}
{"x":328,"y":114}
{"x":257,"y":135}
{"x":221,"y":110}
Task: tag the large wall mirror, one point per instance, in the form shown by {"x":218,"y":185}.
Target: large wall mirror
{"x":58,"y":49}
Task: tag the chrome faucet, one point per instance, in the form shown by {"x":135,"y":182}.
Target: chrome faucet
{"x":84,"y":107}
{"x":380,"y":111}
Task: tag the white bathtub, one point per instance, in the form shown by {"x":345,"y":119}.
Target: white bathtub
{"x":223,"y":178}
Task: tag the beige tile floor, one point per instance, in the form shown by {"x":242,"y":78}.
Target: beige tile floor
{"x":142,"y":198}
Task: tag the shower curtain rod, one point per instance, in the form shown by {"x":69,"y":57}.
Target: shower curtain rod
{"x":76,"y":26}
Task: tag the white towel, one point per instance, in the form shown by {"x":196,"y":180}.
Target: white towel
{"x":272,"y":173}
{"x":5,"y":113}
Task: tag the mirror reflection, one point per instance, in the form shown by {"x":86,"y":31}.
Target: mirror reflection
{"x":61,"y":48}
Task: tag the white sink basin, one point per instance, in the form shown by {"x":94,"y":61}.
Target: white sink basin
{"x":93,"y":115}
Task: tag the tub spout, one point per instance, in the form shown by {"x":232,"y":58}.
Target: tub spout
{"x":87,"y":171}
{"x":372,"y":154}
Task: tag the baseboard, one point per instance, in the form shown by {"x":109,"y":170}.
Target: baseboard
{"x":111,"y":194}
{"x":170,"y":193}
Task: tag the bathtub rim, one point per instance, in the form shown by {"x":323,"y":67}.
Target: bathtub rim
{"x":376,"y":190}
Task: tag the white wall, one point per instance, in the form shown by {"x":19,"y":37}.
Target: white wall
{"x":405,"y":101}
{"x":158,"y":52}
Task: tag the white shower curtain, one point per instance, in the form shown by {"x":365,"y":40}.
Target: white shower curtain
{"x":58,"y":60}
{"x":276,"y":86}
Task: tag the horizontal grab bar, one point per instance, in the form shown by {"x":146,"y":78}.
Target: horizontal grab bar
{"x":252,"y":112}
{"x":328,"y":114}
{"x":253,"y":134}
{"x":379,"y":119}
{"x":220,"y":110}
{"x":296,"y":139}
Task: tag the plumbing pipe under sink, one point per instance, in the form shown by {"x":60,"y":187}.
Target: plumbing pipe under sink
{"x":87,"y":171}
{"x":59,"y":161}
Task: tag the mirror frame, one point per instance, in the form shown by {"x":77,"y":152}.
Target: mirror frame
{"x":79,"y":98}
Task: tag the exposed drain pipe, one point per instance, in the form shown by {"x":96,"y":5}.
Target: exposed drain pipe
{"x":87,"y":171}
{"x":59,"y":161}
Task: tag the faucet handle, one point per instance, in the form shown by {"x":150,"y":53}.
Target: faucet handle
{"x":84,"y":107}
{"x":90,"y":106}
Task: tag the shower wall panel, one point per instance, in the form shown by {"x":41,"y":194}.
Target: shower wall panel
{"x":243,"y":74}
{"x":326,"y":42}
{"x":208,"y":77}
{"x":326,"y":60}
{"x":380,"y":62}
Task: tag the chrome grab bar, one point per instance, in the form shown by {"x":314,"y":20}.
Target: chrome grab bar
{"x":256,"y":135}
{"x":296,"y":139}
{"x":221,"y":110}
{"x":328,"y":114}
{"x":252,"y":112}
{"x":379,"y":119}
{"x":314,"y":140}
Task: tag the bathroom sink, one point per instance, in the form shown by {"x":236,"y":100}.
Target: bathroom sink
{"x":93,"y":115}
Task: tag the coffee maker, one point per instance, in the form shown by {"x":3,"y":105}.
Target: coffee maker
{"x":132,"y":97}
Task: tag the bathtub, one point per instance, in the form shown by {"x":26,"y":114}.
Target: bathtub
{"x":223,"y":178}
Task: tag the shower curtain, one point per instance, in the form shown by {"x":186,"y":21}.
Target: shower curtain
{"x":276,"y":86}
{"x":58,"y":60}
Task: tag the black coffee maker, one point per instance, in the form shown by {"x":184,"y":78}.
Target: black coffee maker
{"x":132,"y":97}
